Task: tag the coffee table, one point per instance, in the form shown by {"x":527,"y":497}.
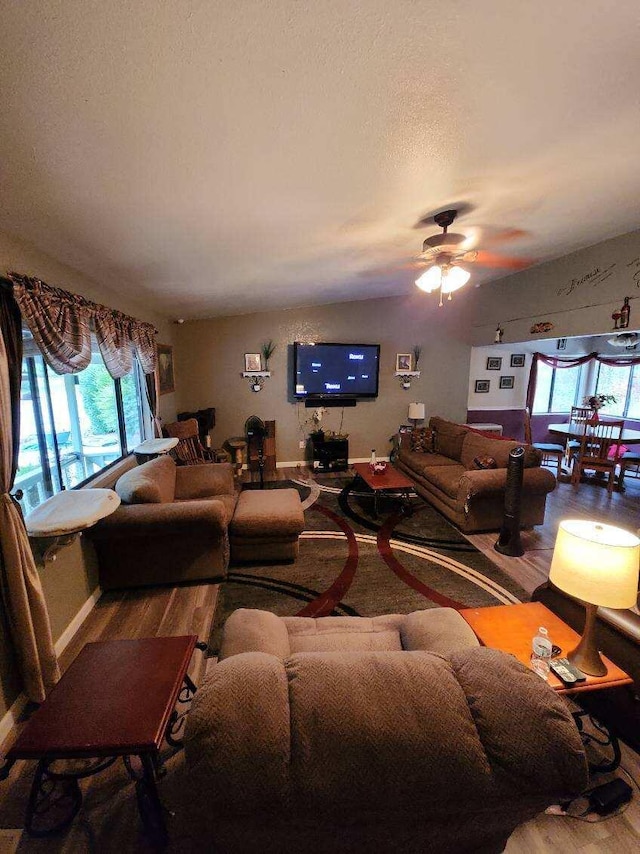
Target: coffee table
{"x":116,"y":699}
{"x":391,"y":480}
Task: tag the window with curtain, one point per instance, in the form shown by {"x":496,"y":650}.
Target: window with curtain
{"x":73,"y":426}
{"x":557,"y":389}
{"x":623,"y":382}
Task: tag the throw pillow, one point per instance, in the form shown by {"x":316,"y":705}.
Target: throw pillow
{"x":484,"y":462}
{"x":422,"y":440}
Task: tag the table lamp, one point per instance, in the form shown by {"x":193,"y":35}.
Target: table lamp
{"x":416,"y":413}
{"x":597,"y":564}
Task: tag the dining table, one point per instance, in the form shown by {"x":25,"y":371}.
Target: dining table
{"x":573,"y":431}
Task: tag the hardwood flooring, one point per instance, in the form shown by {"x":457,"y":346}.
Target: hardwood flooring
{"x":182,"y":610}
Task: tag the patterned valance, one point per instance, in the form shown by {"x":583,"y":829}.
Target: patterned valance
{"x":61,"y":324}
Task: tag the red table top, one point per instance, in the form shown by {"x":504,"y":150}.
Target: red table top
{"x":390,"y":479}
{"x":115,"y":699}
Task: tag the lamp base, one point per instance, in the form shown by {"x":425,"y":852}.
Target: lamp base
{"x":586,"y":656}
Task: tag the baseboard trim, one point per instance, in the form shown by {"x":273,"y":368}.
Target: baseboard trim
{"x":295,"y":463}
{"x":12,"y":716}
{"x":65,"y":638}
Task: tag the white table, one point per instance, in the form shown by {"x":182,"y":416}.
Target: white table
{"x":151,"y":448}
{"x":486,"y":427}
{"x":66,"y":514}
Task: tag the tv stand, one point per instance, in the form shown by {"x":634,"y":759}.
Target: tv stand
{"x":330,"y":454}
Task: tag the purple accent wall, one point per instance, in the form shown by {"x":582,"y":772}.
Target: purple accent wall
{"x":512,"y":421}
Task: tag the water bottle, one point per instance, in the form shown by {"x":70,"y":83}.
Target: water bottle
{"x":541,"y":653}
{"x":372,"y":461}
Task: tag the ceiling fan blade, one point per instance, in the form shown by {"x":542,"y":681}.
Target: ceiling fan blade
{"x":418,"y":264}
{"x":492,"y":259}
{"x":504,"y":236}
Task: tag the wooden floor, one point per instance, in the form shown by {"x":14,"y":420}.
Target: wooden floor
{"x":189,"y":609}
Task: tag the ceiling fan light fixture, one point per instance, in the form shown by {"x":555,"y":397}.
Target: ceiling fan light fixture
{"x":429,"y":281}
{"x":453,"y":279}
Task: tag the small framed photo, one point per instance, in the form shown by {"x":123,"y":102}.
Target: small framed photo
{"x":561,"y":344}
{"x":405,"y":428}
{"x":403,"y":361}
{"x":482,"y":386}
{"x":517,"y":360}
{"x":252,"y":362}
{"x":507,"y":382}
{"x":166,"y":383}
{"x":494,"y":363}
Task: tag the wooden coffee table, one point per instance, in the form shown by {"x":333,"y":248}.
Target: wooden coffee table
{"x":116,"y":699}
{"x":511,"y":628}
{"x":391,"y":480}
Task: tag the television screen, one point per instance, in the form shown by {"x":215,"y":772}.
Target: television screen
{"x":336,"y":370}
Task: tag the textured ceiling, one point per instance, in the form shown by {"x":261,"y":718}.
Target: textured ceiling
{"x":224,"y":157}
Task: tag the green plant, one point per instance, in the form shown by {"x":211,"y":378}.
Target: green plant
{"x":596,"y":401}
{"x":267,"y":351}
{"x":417,"y":350}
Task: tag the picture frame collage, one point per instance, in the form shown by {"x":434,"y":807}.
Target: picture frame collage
{"x":506,"y":381}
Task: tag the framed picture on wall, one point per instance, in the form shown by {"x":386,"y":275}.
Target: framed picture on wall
{"x":494,"y":363}
{"x":403,"y":361}
{"x":517,"y":360}
{"x":252,"y":362}
{"x":166,"y":382}
{"x":482,"y":386}
{"x":561,"y":344}
{"x":507,"y":382}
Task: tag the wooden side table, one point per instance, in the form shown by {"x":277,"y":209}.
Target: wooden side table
{"x":116,"y":699}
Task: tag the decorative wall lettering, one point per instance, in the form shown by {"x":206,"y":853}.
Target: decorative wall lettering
{"x":594,"y":278}
{"x":635,"y":265}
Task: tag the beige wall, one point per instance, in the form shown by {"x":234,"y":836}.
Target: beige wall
{"x":577,"y":293}
{"x":210,"y":359}
{"x":71,"y":578}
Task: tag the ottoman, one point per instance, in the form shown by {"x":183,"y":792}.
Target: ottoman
{"x":266,"y":525}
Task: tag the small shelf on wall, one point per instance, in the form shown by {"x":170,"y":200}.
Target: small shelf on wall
{"x":256,"y":378}
{"x":406,"y":377}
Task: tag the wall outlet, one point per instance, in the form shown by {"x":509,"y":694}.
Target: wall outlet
{"x":302,"y":444}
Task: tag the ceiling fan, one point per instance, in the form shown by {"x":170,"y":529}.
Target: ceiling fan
{"x":442,"y":255}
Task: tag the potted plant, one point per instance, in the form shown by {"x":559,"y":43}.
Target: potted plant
{"x":596,"y":402}
{"x":267,"y":351}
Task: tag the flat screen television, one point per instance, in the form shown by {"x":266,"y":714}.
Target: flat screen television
{"x":329,"y":371}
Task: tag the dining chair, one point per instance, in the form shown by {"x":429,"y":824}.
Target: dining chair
{"x":599,"y":451}
{"x":552,"y":454}
{"x":629,"y":460}
{"x":578,"y":417}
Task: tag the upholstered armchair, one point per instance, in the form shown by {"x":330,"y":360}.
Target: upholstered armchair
{"x":397,"y":733}
{"x":172,"y":525}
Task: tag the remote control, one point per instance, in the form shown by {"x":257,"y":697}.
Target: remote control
{"x":566,"y":671}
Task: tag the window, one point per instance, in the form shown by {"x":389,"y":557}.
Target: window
{"x":556,"y":388}
{"x":73,"y":426}
{"x":623,"y":382}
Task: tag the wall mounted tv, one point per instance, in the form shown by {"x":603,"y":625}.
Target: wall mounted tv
{"x":326,"y":372}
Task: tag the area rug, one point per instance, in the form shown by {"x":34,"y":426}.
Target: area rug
{"x":355,"y":562}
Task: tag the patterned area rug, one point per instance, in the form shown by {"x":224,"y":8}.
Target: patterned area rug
{"x":354,"y":562}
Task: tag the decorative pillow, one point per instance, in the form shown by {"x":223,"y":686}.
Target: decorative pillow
{"x":484,"y":461}
{"x":422,"y":440}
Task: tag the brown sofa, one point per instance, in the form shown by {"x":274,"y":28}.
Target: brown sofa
{"x":619,"y":639}
{"x":472,"y":498}
{"x":172,"y":525}
{"x":328,"y":735}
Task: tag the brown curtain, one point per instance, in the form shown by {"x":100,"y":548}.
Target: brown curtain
{"x":151,"y":388}
{"x":21,"y":588}
{"x":60,"y":323}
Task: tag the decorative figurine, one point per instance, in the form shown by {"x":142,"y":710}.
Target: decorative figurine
{"x":498,"y":336}
{"x":625,"y":313}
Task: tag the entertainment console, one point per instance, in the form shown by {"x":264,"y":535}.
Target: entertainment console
{"x":330,"y":454}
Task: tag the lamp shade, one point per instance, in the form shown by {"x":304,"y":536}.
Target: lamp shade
{"x":416,"y":411}
{"x":455,"y":278}
{"x":596,"y":563}
{"x":430,"y":280}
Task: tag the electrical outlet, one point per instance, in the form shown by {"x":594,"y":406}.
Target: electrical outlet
{"x":302,"y":444}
